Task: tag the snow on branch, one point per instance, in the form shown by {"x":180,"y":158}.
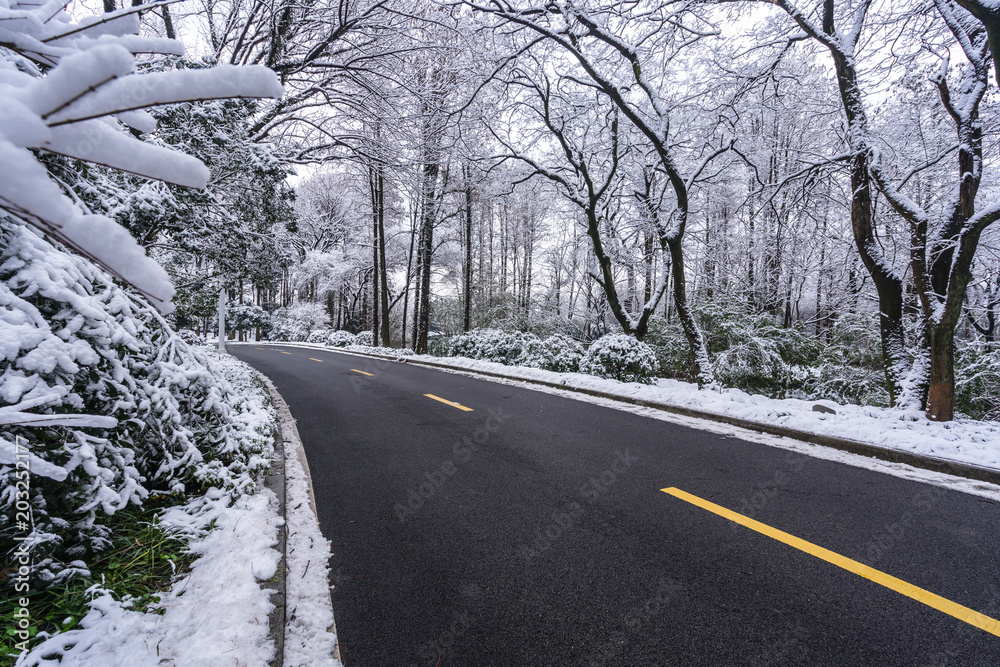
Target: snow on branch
{"x":85,"y":85}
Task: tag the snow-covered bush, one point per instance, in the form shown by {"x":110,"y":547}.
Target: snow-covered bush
{"x":318,"y":336}
{"x":502,"y":347}
{"x":340,"y":338}
{"x":110,"y":403}
{"x":296,"y":322}
{"x":849,"y":369}
{"x":620,"y":357}
{"x":190,"y":337}
{"x":753,"y":363}
{"x":365,"y":338}
{"x":558,"y":353}
{"x":977,"y":380}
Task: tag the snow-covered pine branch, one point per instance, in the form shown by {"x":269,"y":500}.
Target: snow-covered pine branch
{"x":83,"y":82}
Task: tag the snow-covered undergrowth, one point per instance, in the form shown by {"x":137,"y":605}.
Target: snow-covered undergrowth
{"x":218,"y":612}
{"x":620,"y":357}
{"x":515,"y":348}
{"x":115,"y":408}
{"x":110,"y":403}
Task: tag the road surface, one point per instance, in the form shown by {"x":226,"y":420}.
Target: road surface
{"x":477,"y":523}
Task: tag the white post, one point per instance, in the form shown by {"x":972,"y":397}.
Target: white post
{"x":222,"y":321}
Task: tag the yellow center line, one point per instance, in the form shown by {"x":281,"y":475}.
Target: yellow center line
{"x":315,"y":359}
{"x":283,"y":352}
{"x":363,"y":373}
{"x":454,"y":405}
{"x":944,"y":605}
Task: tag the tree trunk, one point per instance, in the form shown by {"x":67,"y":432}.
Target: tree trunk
{"x":424,"y":254}
{"x":941,"y":387}
{"x":376,"y":269}
{"x":467,"y":314}
{"x":386,"y":330}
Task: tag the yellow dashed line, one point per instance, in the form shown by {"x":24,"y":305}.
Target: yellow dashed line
{"x":454,"y":405}
{"x":944,"y":605}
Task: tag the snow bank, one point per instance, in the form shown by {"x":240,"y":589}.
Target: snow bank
{"x":218,"y":612}
{"x":963,"y":440}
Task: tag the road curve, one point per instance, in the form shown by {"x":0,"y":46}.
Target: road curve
{"x":477,"y":523}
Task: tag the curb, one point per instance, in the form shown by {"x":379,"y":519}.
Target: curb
{"x":923,"y":461}
{"x":275,"y":480}
{"x":288,"y":434}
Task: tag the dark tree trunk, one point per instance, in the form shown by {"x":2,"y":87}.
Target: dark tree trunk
{"x":467,"y":314}
{"x":425,"y":254}
{"x":386,"y":331}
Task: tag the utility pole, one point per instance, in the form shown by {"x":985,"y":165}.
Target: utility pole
{"x":222,"y":321}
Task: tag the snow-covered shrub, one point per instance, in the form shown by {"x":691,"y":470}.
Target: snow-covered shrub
{"x":365,"y":338}
{"x":296,"y":322}
{"x":190,"y":337}
{"x":753,"y":363}
{"x":340,"y":338}
{"x":318,"y":336}
{"x":502,"y":347}
{"x":620,"y":357}
{"x":669,"y":345}
{"x":849,"y":369}
{"x":110,"y":403}
{"x":977,"y":380}
{"x":558,"y":353}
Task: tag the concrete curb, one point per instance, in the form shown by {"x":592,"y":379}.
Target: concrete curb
{"x":275,"y":480}
{"x":923,"y":461}
{"x":288,"y":437}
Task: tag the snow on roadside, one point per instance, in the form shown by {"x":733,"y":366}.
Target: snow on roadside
{"x":963,"y":440}
{"x":310,"y":637}
{"x":218,"y":612}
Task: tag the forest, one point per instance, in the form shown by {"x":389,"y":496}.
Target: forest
{"x":793,"y":198}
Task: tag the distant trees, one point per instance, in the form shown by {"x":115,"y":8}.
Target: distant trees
{"x":668,"y":170}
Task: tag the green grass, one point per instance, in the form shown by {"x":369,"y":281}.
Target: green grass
{"x":137,"y":564}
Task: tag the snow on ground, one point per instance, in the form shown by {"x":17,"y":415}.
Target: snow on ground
{"x":963,"y":440}
{"x":310,"y":637}
{"x":217,"y":613}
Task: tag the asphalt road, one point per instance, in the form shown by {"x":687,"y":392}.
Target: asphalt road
{"x":532,"y":530}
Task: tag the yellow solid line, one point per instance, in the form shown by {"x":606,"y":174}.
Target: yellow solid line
{"x":363,"y":373}
{"x":314,"y":359}
{"x":970,"y":616}
{"x":454,"y":405}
